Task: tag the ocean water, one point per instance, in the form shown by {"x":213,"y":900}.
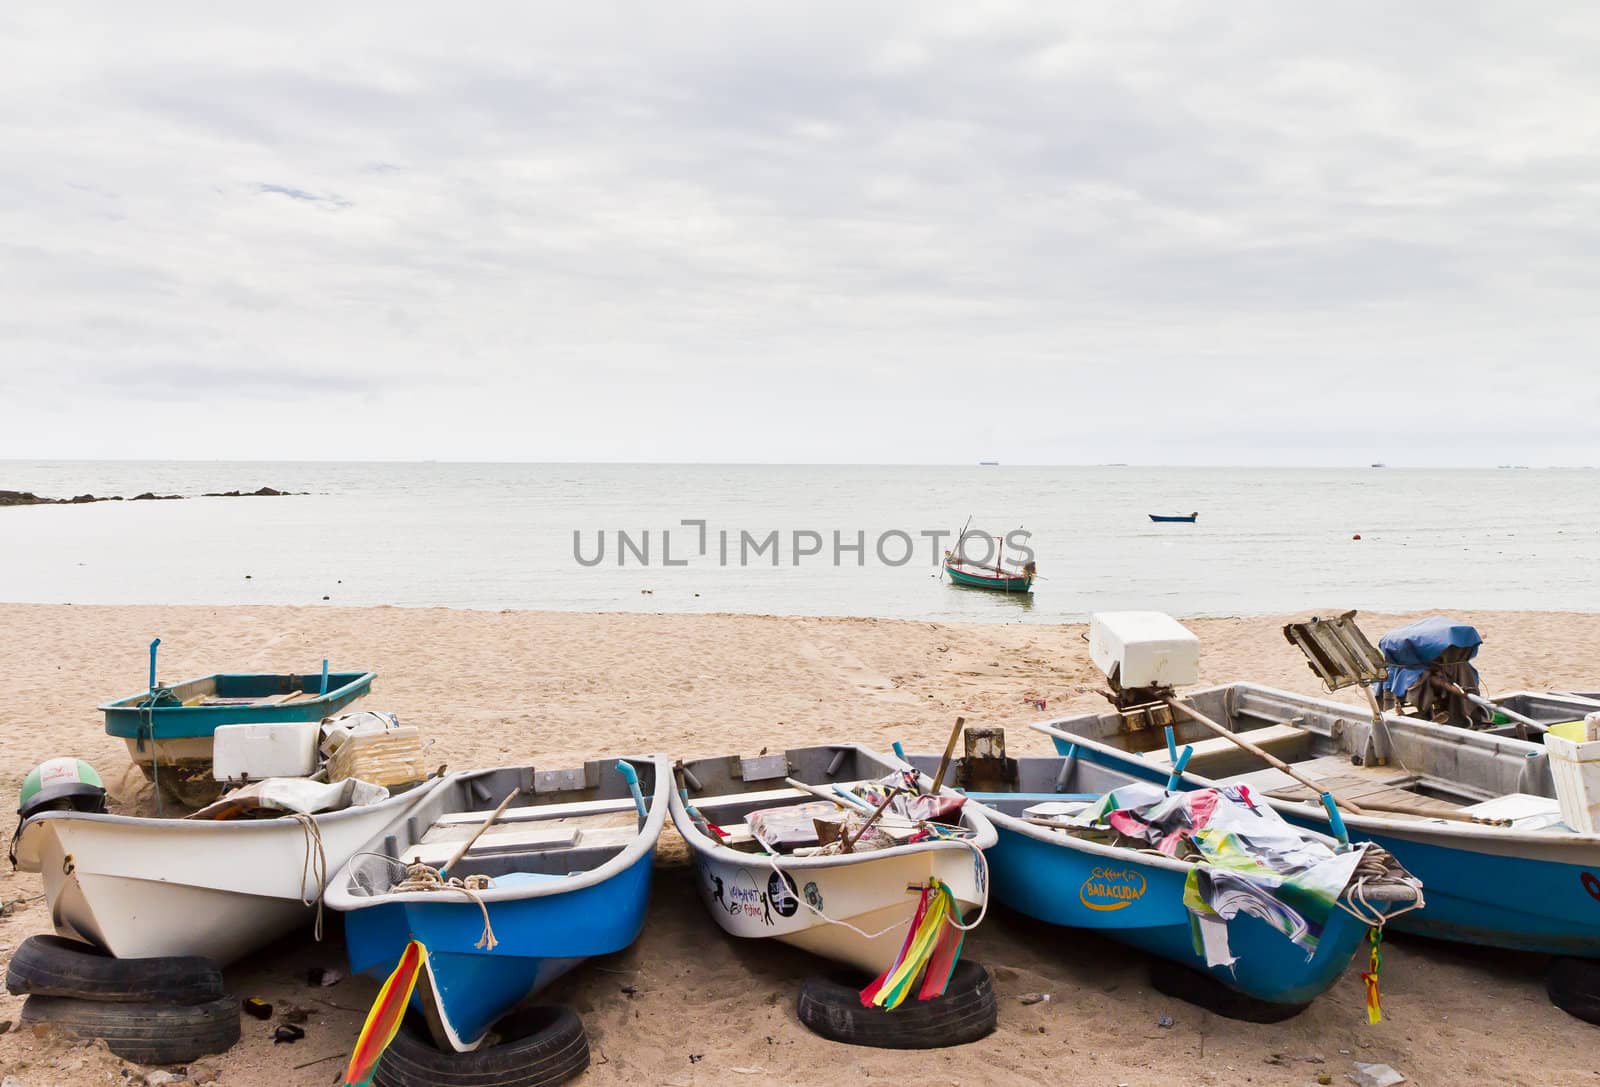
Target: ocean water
{"x":502,"y":536}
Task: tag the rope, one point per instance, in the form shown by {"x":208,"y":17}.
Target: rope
{"x":772,"y":860}
{"x":1377,"y":867}
{"x":423,"y":877}
{"x":315,"y":865}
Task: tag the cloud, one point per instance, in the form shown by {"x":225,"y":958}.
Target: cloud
{"x":829,"y":233}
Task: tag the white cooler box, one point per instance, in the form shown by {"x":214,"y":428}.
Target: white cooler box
{"x":285,"y":749}
{"x":1144,"y":649}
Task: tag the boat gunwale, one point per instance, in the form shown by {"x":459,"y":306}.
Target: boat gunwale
{"x":644,"y":841}
{"x":402,"y":802}
{"x":1387,"y":824}
{"x":131,"y":702}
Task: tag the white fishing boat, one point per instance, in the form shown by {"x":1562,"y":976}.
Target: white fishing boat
{"x":852,"y":907}
{"x":139,"y":887}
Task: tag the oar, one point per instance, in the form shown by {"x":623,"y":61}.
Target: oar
{"x":949,"y":750}
{"x":1260,"y":753}
{"x":485,"y":825}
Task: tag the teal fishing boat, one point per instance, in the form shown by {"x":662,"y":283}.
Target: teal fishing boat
{"x":168,"y":729}
{"x":981,"y":575}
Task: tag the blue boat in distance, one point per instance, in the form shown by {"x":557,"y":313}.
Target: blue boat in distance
{"x":1163,"y":518}
{"x":566,"y":876}
{"x":1090,"y":877}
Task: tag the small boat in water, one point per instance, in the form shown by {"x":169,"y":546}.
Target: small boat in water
{"x":1207,"y":881}
{"x":506,"y":899}
{"x":169,"y":730}
{"x":221,"y":888}
{"x":1472,"y":814}
{"x":763,"y":870}
{"x":1164,"y":518}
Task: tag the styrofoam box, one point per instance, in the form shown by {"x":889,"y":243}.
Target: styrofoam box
{"x":285,"y":749}
{"x":1148,"y":648}
{"x":1576,"y":768}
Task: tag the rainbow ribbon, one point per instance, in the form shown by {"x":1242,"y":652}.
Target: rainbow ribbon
{"x":931,"y":949}
{"x":1370,"y":976}
{"x":383,"y":1021}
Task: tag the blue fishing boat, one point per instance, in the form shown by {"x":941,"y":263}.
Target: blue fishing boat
{"x":1161,"y":518}
{"x":168,"y":728}
{"x":1473,"y":815}
{"x":504,"y":900}
{"x":1069,"y":854}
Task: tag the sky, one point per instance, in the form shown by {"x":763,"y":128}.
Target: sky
{"x":1155,"y":233}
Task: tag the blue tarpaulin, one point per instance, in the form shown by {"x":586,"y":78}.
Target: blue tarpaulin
{"x":1409,"y":650}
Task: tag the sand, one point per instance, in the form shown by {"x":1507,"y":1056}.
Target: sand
{"x":687,"y":1005}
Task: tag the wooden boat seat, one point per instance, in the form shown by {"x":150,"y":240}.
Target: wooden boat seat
{"x":1379,"y":792}
{"x":537,"y":812}
{"x":521,"y":840}
{"x":1218,"y":756}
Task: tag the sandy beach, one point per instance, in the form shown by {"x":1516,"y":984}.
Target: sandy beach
{"x":687,"y":1005}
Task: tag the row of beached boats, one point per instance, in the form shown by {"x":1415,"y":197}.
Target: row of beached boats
{"x":1252,"y":840}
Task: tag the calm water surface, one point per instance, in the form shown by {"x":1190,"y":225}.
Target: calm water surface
{"x":502,"y":536}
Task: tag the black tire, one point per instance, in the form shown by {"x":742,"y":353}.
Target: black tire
{"x":1203,"y":990}
{"x":143,"y":1033}
{"x":53,"y":966}
{"x":533,"y":1047}
{"x":1574,"y":987}
{"x":831,"y":1007}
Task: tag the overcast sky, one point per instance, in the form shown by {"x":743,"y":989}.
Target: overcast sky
{"x":1053,"y":233}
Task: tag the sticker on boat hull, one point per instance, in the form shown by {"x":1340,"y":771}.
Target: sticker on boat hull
{"x":1591,"y":883}
{"x":1112,"y":888}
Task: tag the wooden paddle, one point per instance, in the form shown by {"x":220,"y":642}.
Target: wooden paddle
{"x":949,"y":750}
{"x":485,"y":825}
{"x":1261,"y":753}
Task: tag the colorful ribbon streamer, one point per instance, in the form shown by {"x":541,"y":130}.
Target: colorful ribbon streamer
{"x":931,"y":949}
{"x":1370,"y":976}
{"x":383,"y":1021}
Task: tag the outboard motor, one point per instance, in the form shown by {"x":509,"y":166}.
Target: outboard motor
{"x":1430,"y":670}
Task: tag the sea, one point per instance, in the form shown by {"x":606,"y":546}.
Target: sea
{"x":804,"y":539}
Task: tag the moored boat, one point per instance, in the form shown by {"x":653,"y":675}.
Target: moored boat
{"x":1179,"y":518}
{"x":1472,"y":814}
{"x":504,"y":900}
{"x":763,"y":871}
{"x":1206,"y":881}
{"x":977,"y":575}
{"x":141,"y":887}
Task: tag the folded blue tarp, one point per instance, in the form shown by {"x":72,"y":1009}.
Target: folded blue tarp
{"x":1409,"y":650}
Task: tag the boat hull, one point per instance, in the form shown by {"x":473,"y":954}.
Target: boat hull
{"x":877,"y":893}
{"x":994,"y":584}
{"x":1142,"y":905}
{"x":466,"y":988}
{"x":1485,"y":885}
{"x":147,"y":887}
{"x":1160,"y":520}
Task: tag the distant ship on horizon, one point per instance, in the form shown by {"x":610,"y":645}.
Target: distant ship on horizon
{"x":988,"y":464}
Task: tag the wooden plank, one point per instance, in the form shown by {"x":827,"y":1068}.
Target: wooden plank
{"x":1268,"y":737}
{"x":534,"y":812}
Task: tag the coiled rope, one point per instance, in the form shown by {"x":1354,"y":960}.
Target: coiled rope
{"x":425,"y":878}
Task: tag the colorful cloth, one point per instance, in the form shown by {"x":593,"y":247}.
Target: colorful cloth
{"x":1248,"y":859}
